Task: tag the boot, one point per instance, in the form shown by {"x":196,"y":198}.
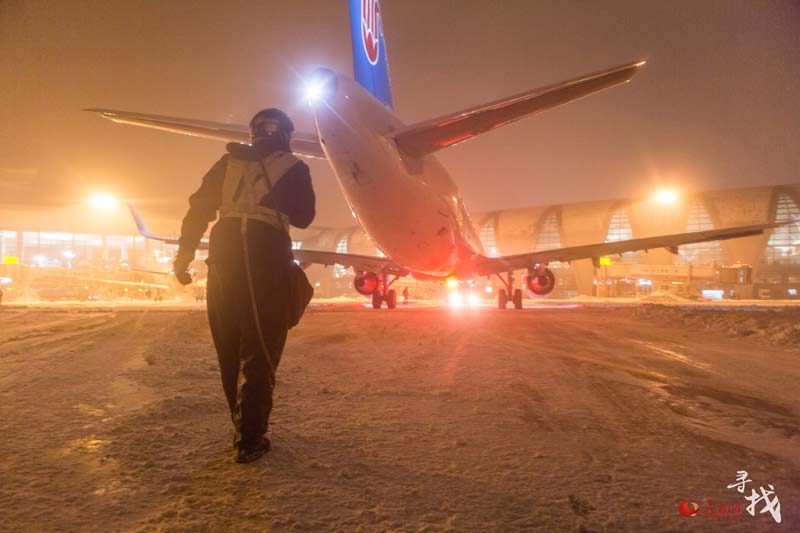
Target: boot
{"x":250,"y":454}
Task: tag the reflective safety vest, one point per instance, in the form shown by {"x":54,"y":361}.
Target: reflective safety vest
{"x":246,"y":185}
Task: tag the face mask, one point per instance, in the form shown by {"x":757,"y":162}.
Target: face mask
{"x":264,"y":127}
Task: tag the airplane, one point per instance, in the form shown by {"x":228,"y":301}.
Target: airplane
{"x":401,"y":196}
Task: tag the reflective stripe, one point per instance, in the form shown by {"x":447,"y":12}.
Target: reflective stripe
{"x":245,"y":186}
{"x":270,"y":216}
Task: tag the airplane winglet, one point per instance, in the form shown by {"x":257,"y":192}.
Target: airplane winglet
{"x":146,"y":233}
{"x":140,"y":225}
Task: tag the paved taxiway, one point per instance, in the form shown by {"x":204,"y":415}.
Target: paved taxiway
{"x":551,"y":419}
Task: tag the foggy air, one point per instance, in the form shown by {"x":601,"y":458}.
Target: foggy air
{"x":399,"y":265}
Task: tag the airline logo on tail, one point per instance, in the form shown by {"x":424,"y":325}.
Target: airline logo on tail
{"x":371,"y":30}
{"x":370,"y":65}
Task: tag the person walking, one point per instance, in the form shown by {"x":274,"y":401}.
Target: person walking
{"x":258,"y":191}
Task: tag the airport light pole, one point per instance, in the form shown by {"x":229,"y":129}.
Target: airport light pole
{"x":665,"y":196}
{"x":104,"y":201}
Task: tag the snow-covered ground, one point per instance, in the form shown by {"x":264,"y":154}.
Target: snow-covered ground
{"x":574,"y":418}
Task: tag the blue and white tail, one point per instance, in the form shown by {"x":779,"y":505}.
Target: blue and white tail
{"x":370,"y":64}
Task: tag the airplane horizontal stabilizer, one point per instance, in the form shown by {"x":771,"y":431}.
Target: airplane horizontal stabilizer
{"x":497,"y":265}
{"x":303,"y":144}
{"x":426,"y":137}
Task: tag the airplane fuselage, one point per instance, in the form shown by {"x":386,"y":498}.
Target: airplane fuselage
{"x":409,"y":207}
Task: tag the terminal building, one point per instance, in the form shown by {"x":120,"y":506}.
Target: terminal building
{"x":766,"y":266}
{"x":761,"y":267}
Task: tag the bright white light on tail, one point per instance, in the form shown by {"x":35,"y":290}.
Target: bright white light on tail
{"x":314,"y":90}
{"x":321,"y":85}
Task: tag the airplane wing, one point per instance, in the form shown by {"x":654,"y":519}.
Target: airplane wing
{"x":432,"y":135}
{"x":496,"y":265}
{"x":304,"y":144}
{"x":135,"y":284}
{"x":362,"y":263}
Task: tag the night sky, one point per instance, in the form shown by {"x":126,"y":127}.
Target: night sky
{"x":716,"y":106}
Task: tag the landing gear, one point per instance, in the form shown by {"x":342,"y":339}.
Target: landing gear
{"x":502,"y":299}
{"x":391,"y":299}
{"x":383,"y":293}
{"x":517,"y":299}
{"x":509,"y":290}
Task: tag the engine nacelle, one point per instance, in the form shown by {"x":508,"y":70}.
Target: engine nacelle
{"x":540,"y":281}
{"x":366,"y":283}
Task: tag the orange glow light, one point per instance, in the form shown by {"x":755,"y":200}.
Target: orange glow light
{"x":665,"y":196}
{"x":104,"y":201}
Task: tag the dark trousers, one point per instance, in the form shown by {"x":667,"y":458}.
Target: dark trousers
{"x":248,"y":373}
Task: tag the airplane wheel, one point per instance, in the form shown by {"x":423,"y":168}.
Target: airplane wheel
{"x":391,"y":299}
{"x":377,"y":299}
{"x":517,"y":299}
{"x":502,"y":299}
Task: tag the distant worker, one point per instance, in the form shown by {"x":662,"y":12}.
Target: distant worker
{"x":258,"y":190}
{"x":405,"y":295}
{"x":199,"y":293}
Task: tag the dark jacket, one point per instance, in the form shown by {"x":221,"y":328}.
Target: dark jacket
{"x":293,"y":195}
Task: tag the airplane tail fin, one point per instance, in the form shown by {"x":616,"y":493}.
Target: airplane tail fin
{"x":370,"y":64}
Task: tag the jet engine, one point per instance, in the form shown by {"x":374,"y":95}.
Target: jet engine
{"x":366,"y":283}
{"x":540,"y":281}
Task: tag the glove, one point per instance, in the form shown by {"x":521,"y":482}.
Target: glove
{"x":181,"y":268}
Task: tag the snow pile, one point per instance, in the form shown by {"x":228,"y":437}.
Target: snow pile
{"x":784,"y":334}
{"x":773,"y":325}
{"x":663,"y":297}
